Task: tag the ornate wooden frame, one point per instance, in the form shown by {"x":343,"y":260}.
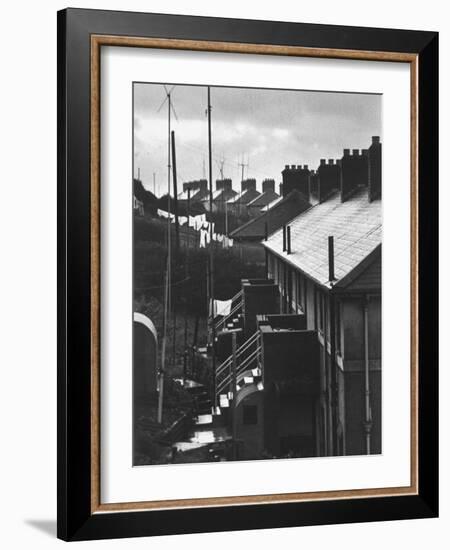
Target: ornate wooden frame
{"x":81,"y":34}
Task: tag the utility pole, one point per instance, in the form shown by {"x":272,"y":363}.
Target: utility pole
{"x":167,"y":299}
{"x":175,"y":194}
{"x":139,"y":174}
{"x":211,"y":257}
{"x":226,"y":218}
{"x":186,"y":273}
{"x":154,"y":183}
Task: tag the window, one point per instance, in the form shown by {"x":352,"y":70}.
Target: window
{"x":320,"y":310}
{"x":301,"y":292}
{"x":250,"y":415}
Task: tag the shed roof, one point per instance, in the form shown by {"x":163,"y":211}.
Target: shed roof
{"x":355,"y":224}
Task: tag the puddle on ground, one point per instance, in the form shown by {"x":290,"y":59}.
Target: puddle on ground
{"x":202,"y":438}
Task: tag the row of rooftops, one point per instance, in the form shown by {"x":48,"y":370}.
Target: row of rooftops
{"x":355,"y":167}
{"x":197,"y":191}
{"x":341,"y":199}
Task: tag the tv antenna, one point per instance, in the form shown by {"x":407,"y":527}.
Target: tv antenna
{"x":242,"y":165}
{"x":220,"y":164}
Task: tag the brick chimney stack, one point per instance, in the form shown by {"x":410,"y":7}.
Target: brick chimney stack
{"x":248,"y":184}
{"x":225,"y":184}
{"x":296,"y":177}
{"x":354,"y":172}
{"x":268,"y":185}
{"x":328,"y":176}
{"x":374,"y":161}
{"x":314,"y":184}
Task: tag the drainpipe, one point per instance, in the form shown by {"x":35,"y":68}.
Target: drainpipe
{"x":368,"y":413}
{"x":326,"y":365}
{"x":333,"y":372}
{"x":266,"y":261}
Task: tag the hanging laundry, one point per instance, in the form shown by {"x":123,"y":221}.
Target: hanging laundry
{"x":182,"y":220}
{"x":203,"y":237}
{"x":222,"y":307}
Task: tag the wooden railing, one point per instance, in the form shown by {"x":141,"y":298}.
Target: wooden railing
{"x":248,"y":357}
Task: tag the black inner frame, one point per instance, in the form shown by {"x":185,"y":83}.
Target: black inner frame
{"x":75,"y":521}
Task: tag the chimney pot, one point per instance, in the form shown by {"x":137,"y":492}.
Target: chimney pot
{"x":322,"y":162}
{"x":293,"y":167}
{"x":330,"y":161}
{"x":286,"y":166}
{"x":305,"y":167}
{"x":346,"y":152}
{"x":364,"y":152}
{"x":375,"y":139}
{"x":355,"y":152}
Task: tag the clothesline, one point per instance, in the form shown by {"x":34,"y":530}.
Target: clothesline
{"x":199,"y":223}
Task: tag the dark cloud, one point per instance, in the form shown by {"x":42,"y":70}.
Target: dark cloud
{"x":269,"y":128}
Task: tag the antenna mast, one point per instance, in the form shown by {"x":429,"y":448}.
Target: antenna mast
{"x":211,"y":258}
{"x":167,"y":297}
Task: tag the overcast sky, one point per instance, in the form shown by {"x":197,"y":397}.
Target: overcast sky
{"x":265,"y":129}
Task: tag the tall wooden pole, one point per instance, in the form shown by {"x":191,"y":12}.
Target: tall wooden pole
{"x":175,"y":193}
{"x":226,"y":218}
{"x":186,"y":271}
{"x":167,"y":278}
{"x":163,"y":353}
{"x":211,"y":256}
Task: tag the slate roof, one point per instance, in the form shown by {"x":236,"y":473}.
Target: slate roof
{"x":264,"y":199}
{"x":282,"y":212}
{"x":221,"y":195}
{"x":271,"y":204}
{"x":196,"y":195}
{"x":244,"y":197}
{"x":356,"y":225}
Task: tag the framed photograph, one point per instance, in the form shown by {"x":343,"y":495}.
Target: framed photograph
{"x":247,"y":241}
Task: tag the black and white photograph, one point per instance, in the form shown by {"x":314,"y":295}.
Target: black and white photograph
{"x":257,"y":237}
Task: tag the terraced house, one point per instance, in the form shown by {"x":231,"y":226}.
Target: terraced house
{"x":327,"y":264}
{"x":309,"y":360}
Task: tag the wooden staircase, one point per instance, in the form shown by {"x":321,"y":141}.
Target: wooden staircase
{"x":249,"y":370}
